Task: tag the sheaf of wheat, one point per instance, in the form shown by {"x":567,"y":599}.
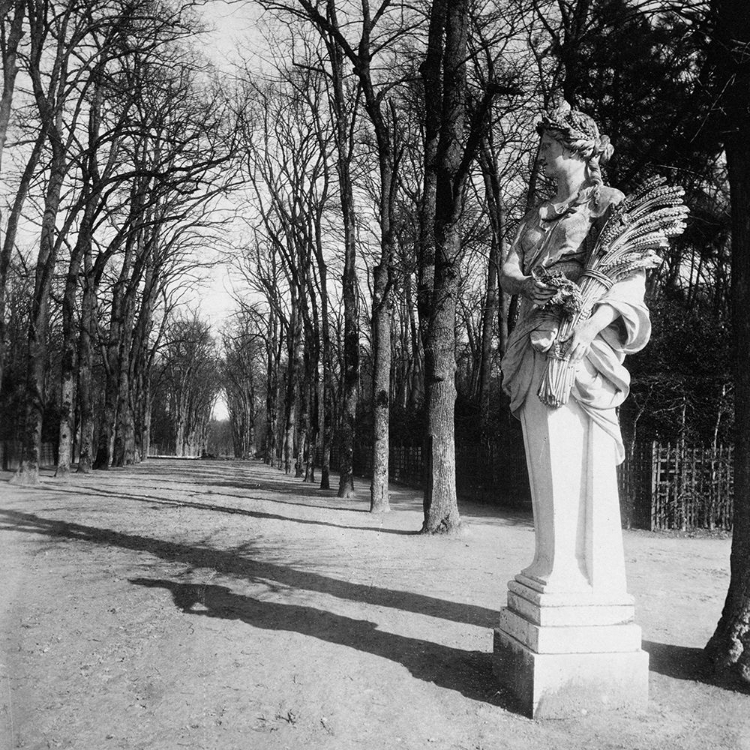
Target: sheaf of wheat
{"x":638,"y":229}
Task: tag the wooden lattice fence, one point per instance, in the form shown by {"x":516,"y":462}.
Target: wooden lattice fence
{"x":691,"y":487}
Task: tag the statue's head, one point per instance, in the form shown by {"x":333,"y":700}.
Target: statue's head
{"x":578,"y":133}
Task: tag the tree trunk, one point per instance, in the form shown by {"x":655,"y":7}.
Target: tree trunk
{"x":272,"y":394}
{"x":381,"y":352}
{"x":123,"y":454}
{"x":433,"y":95}
{"x":303,"y":445}
{"x":146,"y":420}
{"x":350,"y":292}
{"x":130,"y":339}
{"x":378,"y":108}
{"x":69,"y":364}
{"x":493,"y":307}
{"x":142,"y":361}
{"x":85,"y":364}
{"x":440,"y":502}
{"x":416,"y":383}
{"x":729,"y":647}
{"x":10,"y":69}
{"x":290,"y":405}
{"x":326,"y":398}
{"x":28,"y":471}
{"x":382,"y":315}
{"x":105,"y":450}
{"x":11,"y":230}
{"x":114,"y":347}
{"x":312,"y":384}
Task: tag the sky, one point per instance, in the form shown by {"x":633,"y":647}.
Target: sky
{"x":235,"y":26}
{"x":235,"y":23}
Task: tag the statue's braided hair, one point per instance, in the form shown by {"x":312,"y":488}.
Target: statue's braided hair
{"x":578,"y":133}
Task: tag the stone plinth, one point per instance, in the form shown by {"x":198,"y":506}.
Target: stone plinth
{"x":566,"y":655}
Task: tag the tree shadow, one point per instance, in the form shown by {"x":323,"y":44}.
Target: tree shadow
{"x":238,"y":563}
{"x":244,"y":479}
{"x":688,"y":663}
{"x":495,"y":515}
{"x":679,"y":662}
{"x":156,"y":502}
{"x":254,"y":476}
{"x":468,"y":672}
{"x":330,"y":502}
{"x":261,"y":476}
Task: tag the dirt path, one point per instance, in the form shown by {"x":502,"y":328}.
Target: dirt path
{"x":223,"y":606}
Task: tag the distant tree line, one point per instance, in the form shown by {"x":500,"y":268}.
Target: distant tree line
{"x":116,"y":147}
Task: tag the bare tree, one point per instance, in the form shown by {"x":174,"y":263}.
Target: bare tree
{"x":244,"y":369}
{"x":729,"y":647}
{"x":289,"y":151}
{"x":370,"y":40}
{"x":345,"y":121}
{"x":12,"y":13}
{"x":188,"y":382}
{"x":178,"y":156}
{"x":64,"y":33}
{"x":449,"y":154}
{"x":263,"y":275}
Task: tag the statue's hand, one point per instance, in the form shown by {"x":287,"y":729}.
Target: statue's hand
{"x":579,"y":341}
{"x":537,"y":291}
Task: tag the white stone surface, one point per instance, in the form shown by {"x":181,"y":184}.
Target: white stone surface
{"x":576,"y":506}
{"x":570,"y":639}
{"x":529,"y":590}
{"x":560,"y":615}
{"x":567,"y":641}
{"x":558,"y":686}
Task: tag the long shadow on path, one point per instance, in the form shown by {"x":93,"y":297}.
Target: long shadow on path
{"x":468,"y":672}
{"x":166,"y":502}
{"x":237,"y":563}
{"x":252,"y":475}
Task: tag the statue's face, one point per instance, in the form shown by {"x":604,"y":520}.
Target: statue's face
{"x":555,"y":159}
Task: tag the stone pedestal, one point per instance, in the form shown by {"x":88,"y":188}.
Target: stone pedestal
{"x":564,"y":655}
{"x":567,"y":642}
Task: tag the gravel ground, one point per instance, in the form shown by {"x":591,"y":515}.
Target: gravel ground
{"x":223,"y":605}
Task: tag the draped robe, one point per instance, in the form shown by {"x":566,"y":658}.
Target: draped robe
{"x":572,"y":450}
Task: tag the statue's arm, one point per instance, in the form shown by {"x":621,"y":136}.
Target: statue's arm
{"x":581,"y":337}
{"x":514,"y":281}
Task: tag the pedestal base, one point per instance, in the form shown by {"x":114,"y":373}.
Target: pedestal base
{"x":565,"y":685}
{"x":562,"y":655}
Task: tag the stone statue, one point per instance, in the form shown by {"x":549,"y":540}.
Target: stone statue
{"x":569,"y":616}
{"x":572,"y":450}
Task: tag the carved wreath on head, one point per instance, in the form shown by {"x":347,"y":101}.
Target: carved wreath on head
{"x":578,"y":130}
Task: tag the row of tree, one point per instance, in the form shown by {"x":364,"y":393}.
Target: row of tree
{"x":394,"y":149}
{"x":117,"y":153}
